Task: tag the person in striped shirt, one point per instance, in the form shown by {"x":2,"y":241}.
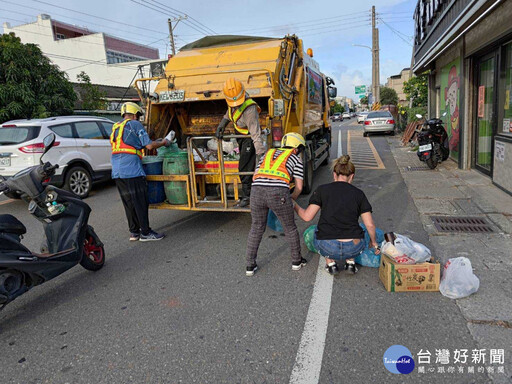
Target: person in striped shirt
{"x":271,"y":190}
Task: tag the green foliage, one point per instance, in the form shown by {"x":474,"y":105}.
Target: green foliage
{"x":30,"y":85}
{"x":337,"y":108}
{"x":92,"y":97}
{"x":364,"y":100}
{"x":417,"y":90}
{"x":412,"y":112}
{"x":388,"y":96}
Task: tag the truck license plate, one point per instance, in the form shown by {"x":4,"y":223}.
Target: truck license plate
{"x":426,"y":147}
{"x":172,"y":96}
{"x":5,"y":161}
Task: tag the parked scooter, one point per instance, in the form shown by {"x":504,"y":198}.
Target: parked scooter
{"x":433,"y":142}
{"x":68,"y":240}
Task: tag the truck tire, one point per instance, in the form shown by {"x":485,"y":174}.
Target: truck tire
{"x":79,"y":181}
{"x":308,"y":176}
{"x":326,"y":161}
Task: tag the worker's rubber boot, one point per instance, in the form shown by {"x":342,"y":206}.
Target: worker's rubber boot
{"x":244,"y":202}
{"x":246,"y":193}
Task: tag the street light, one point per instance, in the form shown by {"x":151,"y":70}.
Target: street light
{"x":375,"y":71}
{"x":364,"y":46}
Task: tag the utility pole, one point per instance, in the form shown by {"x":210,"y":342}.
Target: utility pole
{"x":171,"y":30}
{"x":375,"y":60}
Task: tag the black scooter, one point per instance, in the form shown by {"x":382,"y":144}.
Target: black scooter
{"x":69,"y":240}
{"x":433,"y":142}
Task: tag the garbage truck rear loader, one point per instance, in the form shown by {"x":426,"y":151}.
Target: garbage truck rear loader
{"x":286,"y":83}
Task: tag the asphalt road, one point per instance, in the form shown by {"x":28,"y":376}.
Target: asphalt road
{"x":182,"y":310}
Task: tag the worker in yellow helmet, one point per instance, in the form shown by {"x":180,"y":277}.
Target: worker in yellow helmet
{"x":128,"y":138}
{"x":271,"y":190}
{"x":243,"y":112}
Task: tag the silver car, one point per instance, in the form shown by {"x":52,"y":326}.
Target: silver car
{"x":361,"y":116}
{"x":379,"y":121}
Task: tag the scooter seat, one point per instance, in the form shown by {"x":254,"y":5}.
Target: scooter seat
{"x":10,"y":224}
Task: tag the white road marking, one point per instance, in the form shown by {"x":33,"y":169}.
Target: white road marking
{"x":308,"y":362}
{"x":340,"y":151}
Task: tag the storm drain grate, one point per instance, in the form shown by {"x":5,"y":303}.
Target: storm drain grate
{"x":417,"y":169}
{"x":462,"y":224}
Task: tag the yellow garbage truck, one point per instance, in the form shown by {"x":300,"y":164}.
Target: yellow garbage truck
{"x":277,"y":73}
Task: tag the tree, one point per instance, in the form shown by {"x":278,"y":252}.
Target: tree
{"x":388,"y":96}
{"x":337,"y":108}
{"x":416,"y":89}
{"x":92,"y":97}
{"x":30,"y":85}
{"x":364,"y":100}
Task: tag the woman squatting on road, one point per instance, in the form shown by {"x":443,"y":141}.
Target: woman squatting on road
{"x":339,"y":236}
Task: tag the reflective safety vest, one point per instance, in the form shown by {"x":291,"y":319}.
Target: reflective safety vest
{"x":118,"y":145}
{"x":275,"y":168}
{"x":238,"y":113}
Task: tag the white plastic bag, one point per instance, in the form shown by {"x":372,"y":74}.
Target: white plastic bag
{"x":406,"y":251}
{"x":458,"y":279}
{"x":227,"y":146}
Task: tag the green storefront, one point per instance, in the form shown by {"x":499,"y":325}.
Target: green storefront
{"x":466,"y":48}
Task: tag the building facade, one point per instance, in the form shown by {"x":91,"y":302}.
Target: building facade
{"x":346,"y":102}
{"x":466,"y":48}
{"x":396,"y":82}
{"x":106,"y":59}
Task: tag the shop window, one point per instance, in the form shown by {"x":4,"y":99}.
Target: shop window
{"x":505,"y":91}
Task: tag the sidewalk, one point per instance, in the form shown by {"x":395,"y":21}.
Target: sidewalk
{"x":449,"y":191}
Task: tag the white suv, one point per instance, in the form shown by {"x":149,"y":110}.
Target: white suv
{"x":82,"y":149}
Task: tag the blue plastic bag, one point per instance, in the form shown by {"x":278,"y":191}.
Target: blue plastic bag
{"x":273,"y":222}
{"x":368,"y":258}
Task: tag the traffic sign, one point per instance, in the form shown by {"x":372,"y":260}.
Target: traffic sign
{"x":360,"y":89}
{"x":361,"y":96}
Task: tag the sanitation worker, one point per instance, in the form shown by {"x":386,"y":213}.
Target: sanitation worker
{"x":271,"y":190}
{"x":243,"y":112}
{"x":128,"y":138}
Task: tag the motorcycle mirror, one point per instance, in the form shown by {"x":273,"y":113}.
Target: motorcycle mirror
{"x":419,"y":116}
{"x":48,"y":142}
{"x":444,"y":114}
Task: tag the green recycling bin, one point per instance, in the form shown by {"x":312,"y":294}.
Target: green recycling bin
{"x":176,"y":163}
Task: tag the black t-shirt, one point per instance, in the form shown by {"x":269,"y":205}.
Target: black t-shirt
{"x":341,"y":204}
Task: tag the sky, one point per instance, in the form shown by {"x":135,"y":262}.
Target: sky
{"x":329,"y":27}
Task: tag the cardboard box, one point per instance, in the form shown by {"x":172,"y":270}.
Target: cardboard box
{"x":397,"y":277}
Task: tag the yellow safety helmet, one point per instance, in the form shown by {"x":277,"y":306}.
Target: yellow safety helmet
{"x":234,"y":92}
{"x":293,"y":140}
{"x":132,"y":108}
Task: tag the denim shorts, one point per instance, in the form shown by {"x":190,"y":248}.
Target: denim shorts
{"x":338,"y":250}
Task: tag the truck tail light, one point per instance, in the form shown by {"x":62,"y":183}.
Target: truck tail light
{"x":277,"y":133}
{"x":390,"y":122}
{"x":35,"y":148}
{"x":367,"y":122}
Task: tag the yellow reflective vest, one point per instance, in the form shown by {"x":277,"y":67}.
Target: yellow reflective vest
{"x":118,"y":145}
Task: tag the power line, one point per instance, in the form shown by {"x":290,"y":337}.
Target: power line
{"x":137,"y":49}
{"x":339,"y":18}
{"x":190,"y":17}
{"x":203,"y":32}
{"x":73,"y":18}
{"x":396,"y":32}
{"x":327,"y":27}
{"x":98,"y":17}
{"x":336,"y":30}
